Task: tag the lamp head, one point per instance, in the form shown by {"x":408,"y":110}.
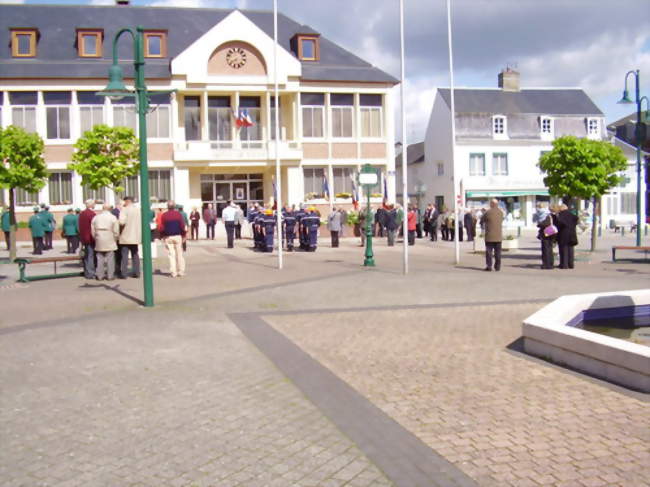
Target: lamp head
{"x":625,"y":100}
{"x":115,"y":90}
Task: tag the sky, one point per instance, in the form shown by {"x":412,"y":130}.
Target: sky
{"x":589,"y":44}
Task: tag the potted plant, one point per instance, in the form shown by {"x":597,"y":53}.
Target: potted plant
{"x":352,"y":220}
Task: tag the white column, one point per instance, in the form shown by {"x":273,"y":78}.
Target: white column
{"x":77,"y":191}
{"x":41,"y":121}
{"x":181,"y":183}
{"x":389,"y":136}
{"x":295,"y":185}
{"x":205,"y":129}
{"x":75,"y":117}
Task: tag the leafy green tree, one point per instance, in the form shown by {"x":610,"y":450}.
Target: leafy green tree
{"x":105,"y":156}
{"x":22,"y":167}
{"x":582,"y":168}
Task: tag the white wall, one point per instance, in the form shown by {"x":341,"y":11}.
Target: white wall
{"x":438,"y":149}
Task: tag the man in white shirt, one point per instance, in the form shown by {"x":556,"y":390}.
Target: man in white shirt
{"x":229,"y":216}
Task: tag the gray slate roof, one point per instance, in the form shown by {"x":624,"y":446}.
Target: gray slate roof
{"x":57,"y":53}
{"x":415,"y":154}
{"x":542,"y":101}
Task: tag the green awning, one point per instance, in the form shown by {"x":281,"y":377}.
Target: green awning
{"x":496,"y":194}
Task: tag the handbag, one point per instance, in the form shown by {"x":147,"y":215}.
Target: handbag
{"x":550,"y":230}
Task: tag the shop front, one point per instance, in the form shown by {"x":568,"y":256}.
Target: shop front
{"x":519,"y":206}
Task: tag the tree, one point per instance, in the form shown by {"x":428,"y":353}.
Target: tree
{"x":105,"y":156}
{"x":22,"y":167}
{"x":582,"y":168}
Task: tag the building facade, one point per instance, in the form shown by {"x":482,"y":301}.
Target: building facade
{"x":335,"y":110}
{"x":500,"y":135}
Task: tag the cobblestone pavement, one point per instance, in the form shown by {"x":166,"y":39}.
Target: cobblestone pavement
{"x":178,"y":399}
{"x":444,"y":373}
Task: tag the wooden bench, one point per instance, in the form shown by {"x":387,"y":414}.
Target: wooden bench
{"x":629,"y":247}
{"x":22,"y":267}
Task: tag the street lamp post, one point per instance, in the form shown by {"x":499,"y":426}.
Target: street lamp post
{"x":116,"y":90}
{"x":368,"y":179}
{"x":638,"y":135}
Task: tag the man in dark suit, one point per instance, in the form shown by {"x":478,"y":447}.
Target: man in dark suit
{"x":433,"y":223}
{"x":567,"y":238}
{"x":493,"y":222}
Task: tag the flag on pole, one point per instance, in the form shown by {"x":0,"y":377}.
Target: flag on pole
{"x":355,"y":193}
{"x":326,"y":188}
{"x":275,"y":194}
{"x":385,"y":201}
{"x":243,"y":119}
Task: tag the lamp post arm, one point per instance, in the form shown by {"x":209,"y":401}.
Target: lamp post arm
{"x":117,"y":37}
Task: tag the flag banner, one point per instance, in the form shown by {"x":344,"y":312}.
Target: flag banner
{"x":275,"y":194}
{"x":326,"y":188}
{"x":243,"y":118}
{"x":385,"y":200}
{"x":355,"y":192}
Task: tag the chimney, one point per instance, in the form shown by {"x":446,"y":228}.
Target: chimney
{"x":122,"y":2}
{"x":509,"y":80}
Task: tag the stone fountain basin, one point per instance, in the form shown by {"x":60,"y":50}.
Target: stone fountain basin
{"x":550,"y":333}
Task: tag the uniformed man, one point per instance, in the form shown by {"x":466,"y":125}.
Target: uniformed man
{"x":37,"y":227}
{"x":49,"y":225}
{"x":268,"y":229}
{"x":253,"y":213}
{"x":71,"y":231}
{"x":302,"y":240}
{"x":289,"y":228}
{"x":311,"y":222}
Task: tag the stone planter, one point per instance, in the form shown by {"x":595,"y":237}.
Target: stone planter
{"x":479,"y":245}
{"x":510,"y":244}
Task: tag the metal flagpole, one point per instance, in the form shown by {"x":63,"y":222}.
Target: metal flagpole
{"x":404,"y":143}
{"x":453,"y":137}
{"x":278,"y":181}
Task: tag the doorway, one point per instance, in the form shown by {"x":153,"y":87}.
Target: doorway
{"x":243,"y":189}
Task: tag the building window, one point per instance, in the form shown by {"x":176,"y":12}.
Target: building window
{"x":441,"y":169}
{"x":308,"y":48}
{"x":219,"y":118}
{"x":89,"y":42}
{"x":131,"y":187}
{"x":160,"y":187}
{"x":341,"y":106}
{"x":57,"y":113}
{"x":342,"y":180}
{"x":158,"y":118}
{"x":313,"y":178}
{"x":155,"y":44}
{"x":23,"y":198}
{"x":370,"y":110}
{"x":593,"y":127}
{"x":252,"y":106}
{"x":124,"y":114}
{"x":91,"y":110}
{"x":500,"y":164}
{"x":313,"y":114}
{"x":60,"y":187}
{"x":499,"y":126}
{"x":99,"y":195}
{"x":477,"y":164}
{"x":23,"y":42}
{"x":546,"y":127}
{"x":628,"y":203}
{"x":192,"y":109}
{"x":23,"y":109}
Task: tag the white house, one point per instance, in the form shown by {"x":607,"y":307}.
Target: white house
{"x":500,"y":135}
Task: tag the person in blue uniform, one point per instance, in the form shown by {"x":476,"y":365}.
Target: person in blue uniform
{"x":302,"y":240}
{"x":268,"y":229}
{"x":311,"y":222}
{"x":258,"y":223}
{"x":289,"y":224}
{"x":37,"y":227}
{"x":253,"y":213}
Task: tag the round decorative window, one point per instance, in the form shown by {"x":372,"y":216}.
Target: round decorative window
{"x":236,"y":57}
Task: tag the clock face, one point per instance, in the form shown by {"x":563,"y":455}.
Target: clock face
{"x":236,"y":57}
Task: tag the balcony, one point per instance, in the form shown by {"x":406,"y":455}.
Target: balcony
{"x":236,"y":150}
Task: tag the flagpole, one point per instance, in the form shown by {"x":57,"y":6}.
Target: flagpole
{"x":404,"y":143}
{"x":278,"y":201}
{"x":453,"y":137}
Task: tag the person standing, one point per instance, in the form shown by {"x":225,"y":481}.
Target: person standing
{"x":433,"y":223}
{"x":380,"y":221}
{"x":289,"y":223}
{"x":567,"y":238}
{"x":468,"y":223}
{"x":130,"y":237}
{"x":334,"y":226}
{"x":49,"y":225}
{"x":311,"y":222}
{"x":229,"y":217}
{"x":239,"y":221}
{"x":71,"y":231}
{"x":210,"y":220}
{"x":86,"y":236}
{"x":173,"y":233}
{"x":6,"y":225}
{"x":195,"y":218}
{"x":105,"y":231}
{"x":546,"y":235}
{"x":37,"y":227}
{"x":411,"y":223}
{"x":390,"y":220}
{"x":267,"y":227}
{"x":493,"y":222}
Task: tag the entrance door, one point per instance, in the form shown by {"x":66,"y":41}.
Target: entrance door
{"x":222,"y":193}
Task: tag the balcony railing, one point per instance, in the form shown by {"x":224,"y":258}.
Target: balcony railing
{"x":233,"y":150}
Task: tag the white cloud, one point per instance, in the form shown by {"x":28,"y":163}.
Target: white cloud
{"x":11,"y":2}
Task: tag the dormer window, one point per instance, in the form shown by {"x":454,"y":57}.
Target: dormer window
{"x":546,"y":128}
{"x":23,"y":42}
{"x":499,"y":127}
{"x":155,"y":43}
{"x":593,"y":128}
{"x":307,"y":47}
{"x":89,"y":42}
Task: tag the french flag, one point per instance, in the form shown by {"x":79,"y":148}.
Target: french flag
{"x":326,"y":188}
{"x":355,"y":194}
{"x":244,"y":119}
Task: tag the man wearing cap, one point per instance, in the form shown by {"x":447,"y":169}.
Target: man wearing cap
{"x":37,"y":227}
{"x":289,"y":224}
{"x":71,"y":231}
{"x":229,"y":216}
{"x":49,"y":225}
{"x":302,"y":230}
{"x":130,"y":237}
{"x":268,"y":229}
{"x":311,"y":222}
{"x":86,"y":236}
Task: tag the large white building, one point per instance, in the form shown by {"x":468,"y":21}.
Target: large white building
{"x":336,"y":110}
{"x":500,"y":134}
